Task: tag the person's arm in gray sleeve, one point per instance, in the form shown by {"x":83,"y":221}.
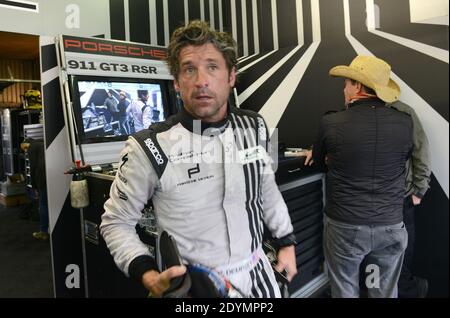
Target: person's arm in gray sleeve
{"x":421,"y":163}
{"x":133,"y":185}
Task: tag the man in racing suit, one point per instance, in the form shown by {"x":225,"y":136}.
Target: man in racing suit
{"x":210,"y":180}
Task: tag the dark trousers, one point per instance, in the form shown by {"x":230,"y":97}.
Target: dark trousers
{"x":407,"y":285}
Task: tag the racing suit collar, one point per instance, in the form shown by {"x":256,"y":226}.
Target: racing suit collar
{"x":199,"y":127}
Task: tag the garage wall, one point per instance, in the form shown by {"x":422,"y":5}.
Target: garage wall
{"x":20,"y":69}
{"x":52,"y":17}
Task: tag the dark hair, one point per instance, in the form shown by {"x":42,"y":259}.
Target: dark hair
{"x":368,"y":90}
{"x":142,"y":92}
{"x":199,"y":33}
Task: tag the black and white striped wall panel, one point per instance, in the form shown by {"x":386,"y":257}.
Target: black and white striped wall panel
{"x":256,"y":25}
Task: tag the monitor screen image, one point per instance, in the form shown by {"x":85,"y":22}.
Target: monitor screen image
{"x":117,"y":108}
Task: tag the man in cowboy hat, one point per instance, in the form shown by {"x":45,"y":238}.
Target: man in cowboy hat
{"x":366,"y":148}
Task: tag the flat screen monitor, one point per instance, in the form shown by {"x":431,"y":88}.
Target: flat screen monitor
{"x":108,"y":109}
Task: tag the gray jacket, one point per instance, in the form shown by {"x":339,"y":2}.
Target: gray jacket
{"x":418,"y":167}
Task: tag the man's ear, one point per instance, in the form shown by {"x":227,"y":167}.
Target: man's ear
{"x":232,"y":77}
{"x":359,"y":87}
{"x":176,"y":85}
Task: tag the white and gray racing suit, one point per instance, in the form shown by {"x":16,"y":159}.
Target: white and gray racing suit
{"x":212,"y":189}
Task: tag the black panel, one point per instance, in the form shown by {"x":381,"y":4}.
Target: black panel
{"x":117,"y":19}
{"x":309,"y":270}
{"x":226,"y":16}
{"x":139,"y":21}
{"x":240,"y":38}
{"x":431,"y":249}
{"x":48,"y":57}
{"x":66,"y":250}
{"x":308,"y":223}
{"x":194,"y":10}
{"x":216,"y":15}
{"x":105,"y":280}
{"x":317,"y":91}
{"x":395,"y":19}
{"x":250,"y":31}
{"x":293,"y":193}
{"x":265,"y":26}
{"x":309,"y":237}
{"x":309,"y":253}
{"x":53,"y":110}
{"x":292,"y":168}
{"x":287,"y":23}
{"x":160,"y":22}
{"x":176,"y":14}
{"x":306,"y":210}
{"x":307,"y":21}
{"x":427,"y":76}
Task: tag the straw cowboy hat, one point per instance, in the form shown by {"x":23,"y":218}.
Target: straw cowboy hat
{"x":373,"y":73}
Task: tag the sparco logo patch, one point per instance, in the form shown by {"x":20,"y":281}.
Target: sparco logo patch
{"x":155,"y":152}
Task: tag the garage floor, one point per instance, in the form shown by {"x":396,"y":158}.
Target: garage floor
{"x":25,"y":264}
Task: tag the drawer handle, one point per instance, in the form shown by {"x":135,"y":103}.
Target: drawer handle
{"x":294,"y":170}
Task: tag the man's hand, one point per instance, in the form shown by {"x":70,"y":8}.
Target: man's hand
{"x":416,"y":200}
{"x":309,"y":160}
{"x":158,"y":283}
{"x":287,"y":261}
